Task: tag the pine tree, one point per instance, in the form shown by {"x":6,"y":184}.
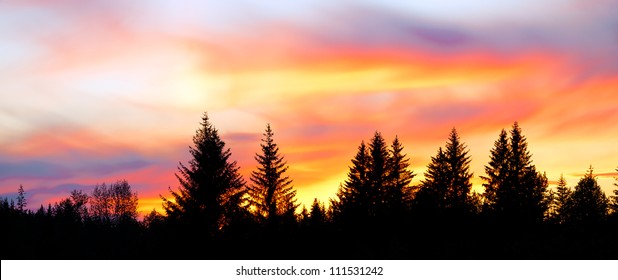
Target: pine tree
{"x":530,"y":186}
{"x":304,"y":217}
{"x":50,"y":211}
{"x":21,"y":199}
{"x":378,"y":184}
{"x":399,"y":178}
{"x":41,"y":212}
{"x":210,"y":185}
{"x":432,"y":193}
{"x":514,"y":189}
{"x":497,"y":171}
{"x":550,"y":200}
{"x":378,"y":176}
{"x":476,"y":203}
{"x":614,"y":199}
{"x":317,"y":215}
{"x":548,"y":195}
{"x":352,"y":199}
{"x":447,"y":179}
{"x":152,"y":219}
{"x":67,"y":213}
{"x":588,"y":202}
{"x":271,"y":191}
{"x":460,"y":175}
{"x":4,"y":206}
{"x":562,"y":201}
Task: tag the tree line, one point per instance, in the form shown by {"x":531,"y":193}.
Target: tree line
{"x":377,"y":211}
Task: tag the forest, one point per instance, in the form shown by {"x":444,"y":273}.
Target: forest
{"x":377,"y":212}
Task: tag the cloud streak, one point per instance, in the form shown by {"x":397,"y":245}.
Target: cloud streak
{"x":103,"y":90}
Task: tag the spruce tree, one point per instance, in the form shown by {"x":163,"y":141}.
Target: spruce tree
{"x":550,"y":200}
{"x":377,"y":187}
{"x":271,"y":191}
{"x":447,"y":179}
{"x":530,"y":186}
{"x":21,"y":199}
{"x":41,"y":212}
{"x":50,"y":212}
{"x":317,"y":216}
{"x":497,"y":171}
{"x":562,"y":200}
{"x":152,"y":219}
{"x":547,"y":196}
{"x":378,"y":176}
{"x":514,"y":189}
{"x":399,"y":178}
{"x":432,"y":193}
{"x":614,"y":199}
{"x":210,"y":184}
{"x":588,"y":202}
{"x":460,"y":175}
{"x":304,"y":217}
{"x":352,"y":199}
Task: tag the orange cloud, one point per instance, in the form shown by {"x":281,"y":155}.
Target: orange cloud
{"x":114,"y":89}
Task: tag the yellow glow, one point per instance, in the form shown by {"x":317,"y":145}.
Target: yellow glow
{"x":322,"y":190}
{"x":146,"y":205}
{"x":199,"y":90}
{"x":257,"y":86}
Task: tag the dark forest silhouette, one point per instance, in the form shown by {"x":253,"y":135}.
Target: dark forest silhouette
{"x":378,"y":212}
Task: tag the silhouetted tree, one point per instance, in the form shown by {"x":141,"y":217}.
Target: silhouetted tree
{"x":318,"y":216}
{"x":115,"y":204}
{"x":447,"y":179}
{"x":548,"y":194}
{"x":80,"y":201}
{"x":66,"y":213}
{"x":378,"y":176}
{"x":562,"y":201}
{"x":588,"y":202}
{"x":531,"y":185}
{"x":50,"y":212}
{"x":271,"y":191}
{"x":304,"y":216}
{"x":476,"y":203}
{"x":40,"y":213}
{"x":497,"y":171}
{"x":432,"y":193}
{"x":210,"y":186}
{"x":353,"y":196}
{"x":100,"y":204}
{"x":550,"y":200}
{"x":21,"y":199}
{"x":5,"y":205}
{"x":613,"y":205}
{"x":152,"y":219}
{"x":459,"y":167}
{"x":514,"y":189}
{"x":398,"y":193}
{"x":377,"y":187}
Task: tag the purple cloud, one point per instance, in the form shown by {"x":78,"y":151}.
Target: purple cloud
{"x":53,"y":170}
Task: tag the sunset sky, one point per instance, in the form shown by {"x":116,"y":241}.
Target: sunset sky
{"x":96,"y":91}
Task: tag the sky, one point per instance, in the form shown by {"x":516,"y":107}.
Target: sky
{"x":98,"y":91}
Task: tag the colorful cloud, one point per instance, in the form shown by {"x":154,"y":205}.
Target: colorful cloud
{"x":95,"y":91}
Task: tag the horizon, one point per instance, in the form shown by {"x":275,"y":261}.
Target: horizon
{"x":107,"y":90}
